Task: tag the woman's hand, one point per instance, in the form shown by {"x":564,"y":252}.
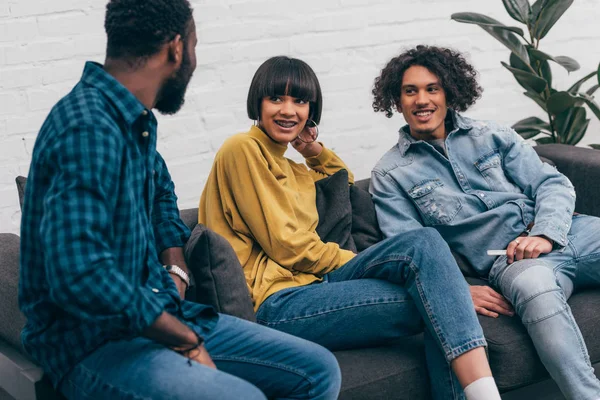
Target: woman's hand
{"x":311,"y":149}
{"x":527,"y":247}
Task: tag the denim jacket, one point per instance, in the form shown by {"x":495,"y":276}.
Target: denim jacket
{"x":491,"y":186}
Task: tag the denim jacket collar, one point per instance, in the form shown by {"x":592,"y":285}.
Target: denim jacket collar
{"x":458,"y":122}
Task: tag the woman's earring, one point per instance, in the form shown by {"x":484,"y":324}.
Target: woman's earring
{"x":310,"y":133}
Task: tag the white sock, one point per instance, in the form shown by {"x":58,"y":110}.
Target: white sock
{"x":482,"y":389}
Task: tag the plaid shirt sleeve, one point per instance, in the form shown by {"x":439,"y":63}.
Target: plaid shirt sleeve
{"x":76,"y":229}
{"x":169,"y":229}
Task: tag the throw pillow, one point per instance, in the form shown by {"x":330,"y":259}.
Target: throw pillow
{"x":219,"y":277}
{"x":335,"y":210}
{"x":365,"y":228}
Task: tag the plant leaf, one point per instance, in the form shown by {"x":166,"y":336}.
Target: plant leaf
{"x":545,"y":140}
{"x":538,"y":99}
{"x":589,"y":100}
{"x":516,"y":62}
{"x":569,"y":124}
{"x":546,"y":72}
{"x":592,"y":90}
{"x":535,"y":11}
{"x":518,"y":10}
{"x":526,"y":79}
{"x":561,"y":101}
{"x":531,"y":123}
{"x":549,"y":13}
{"x":595,"y":146}
{"x":484,"y":21}
{"x":567,"y":62}
{"x":497,"y":30}
{"x":529,"y":133}
{"x":578,"y":135}
{"x":575,"y":88}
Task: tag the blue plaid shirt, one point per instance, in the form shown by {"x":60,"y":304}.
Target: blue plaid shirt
{"x":99,"y":208}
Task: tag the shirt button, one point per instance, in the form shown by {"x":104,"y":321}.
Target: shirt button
{"x":144,"y":113}
{"x":481,"y":194}
{"x":155,"y":290}
{"x":145,"y":134}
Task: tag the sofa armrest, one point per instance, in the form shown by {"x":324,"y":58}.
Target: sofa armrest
{"x":11,"y":319}
{"x":21,"y":378}
{"x":582,"y":167}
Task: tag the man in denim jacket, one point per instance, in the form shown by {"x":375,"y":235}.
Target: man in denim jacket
{"x":482,"y":187}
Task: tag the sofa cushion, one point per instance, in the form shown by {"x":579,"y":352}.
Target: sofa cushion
{"x":396,"y":371}
{"x":365,"y":228}
{"x":513,"y":358}
{"x":335,"y":210}
{"x":189,"y":217}
{"x":11,"y":319}
{"x":218,"y":274}
{"x":21,"y":182}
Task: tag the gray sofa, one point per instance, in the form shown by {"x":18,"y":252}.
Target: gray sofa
{"x":393,"y":370}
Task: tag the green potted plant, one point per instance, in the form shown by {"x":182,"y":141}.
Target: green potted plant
{"x":567,"y":122}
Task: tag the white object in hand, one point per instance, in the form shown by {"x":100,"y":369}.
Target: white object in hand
{"x":496,"y":252}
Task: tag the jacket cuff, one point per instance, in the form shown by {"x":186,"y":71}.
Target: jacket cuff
{"x":556,"y":231}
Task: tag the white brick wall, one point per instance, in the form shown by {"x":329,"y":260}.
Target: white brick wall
{"x":44,"y":43}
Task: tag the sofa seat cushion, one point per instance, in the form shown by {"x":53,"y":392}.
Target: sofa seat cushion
{"x":11,"y":319}
{"x":218,"y":274}
{"x":396,"y":371}
{"x":513,"y":358}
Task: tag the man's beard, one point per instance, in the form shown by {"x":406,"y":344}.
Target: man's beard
{"x":172,"y":95}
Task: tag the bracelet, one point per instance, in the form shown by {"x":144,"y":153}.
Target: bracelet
{"x":186,"y":351}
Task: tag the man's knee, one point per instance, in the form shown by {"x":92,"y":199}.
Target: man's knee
{"x":424,"y":241}
{"x":533,"y":290}
{"x":327,"y":379}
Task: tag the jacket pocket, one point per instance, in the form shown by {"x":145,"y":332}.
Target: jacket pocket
{"x":490,"y":167}
{"x":436,"y":207}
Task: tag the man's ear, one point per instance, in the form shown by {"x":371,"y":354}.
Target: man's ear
{"x":175,"y":50}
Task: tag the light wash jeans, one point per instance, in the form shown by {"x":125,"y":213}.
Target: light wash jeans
{"x":391,"y":290}
{"x":252,"y":361}
{"x":539,"y":289}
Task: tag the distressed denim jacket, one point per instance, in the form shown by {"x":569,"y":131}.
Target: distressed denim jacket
{"x":482,"y":196}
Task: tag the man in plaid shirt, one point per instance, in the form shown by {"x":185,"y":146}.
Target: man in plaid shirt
{"x":100,"y":219}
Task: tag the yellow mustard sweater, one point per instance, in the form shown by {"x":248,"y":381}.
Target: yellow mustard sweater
{"x":265,"y":206}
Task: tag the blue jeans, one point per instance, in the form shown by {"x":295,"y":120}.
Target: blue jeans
{"x":252,"y":361}
{"x":539,"y":289}
{"x":393,"y":289}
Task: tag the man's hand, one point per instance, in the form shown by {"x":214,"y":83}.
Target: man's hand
{"x":490,"y":303}
{"x":527,"y":247}
{"x":181,"y":286}
{"x":200,"y":355}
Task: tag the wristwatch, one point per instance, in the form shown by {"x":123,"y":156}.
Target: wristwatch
{"x":177,"y":270}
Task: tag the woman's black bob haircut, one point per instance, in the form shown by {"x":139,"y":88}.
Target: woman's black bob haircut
{"x":285,"y":76}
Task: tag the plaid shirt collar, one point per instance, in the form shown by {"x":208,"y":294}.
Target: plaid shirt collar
{"x":124,"y":101}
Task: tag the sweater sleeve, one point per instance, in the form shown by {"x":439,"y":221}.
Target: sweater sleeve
{"x":326,"y":164}
{"x":263,"y":205}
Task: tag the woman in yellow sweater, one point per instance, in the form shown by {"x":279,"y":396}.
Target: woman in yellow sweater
{"x":264,"y":204}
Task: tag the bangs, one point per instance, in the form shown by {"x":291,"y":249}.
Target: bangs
{"x":289,"y":78}
{"x":285,"y":76}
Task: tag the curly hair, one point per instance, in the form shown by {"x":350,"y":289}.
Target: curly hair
{"x":456,"y":75}
{"x":138,"y":28}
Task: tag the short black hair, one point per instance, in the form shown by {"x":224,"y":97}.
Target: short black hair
{"x":285,"y":76}
{"x":456,"y":75}
{"x":138,"y":28}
